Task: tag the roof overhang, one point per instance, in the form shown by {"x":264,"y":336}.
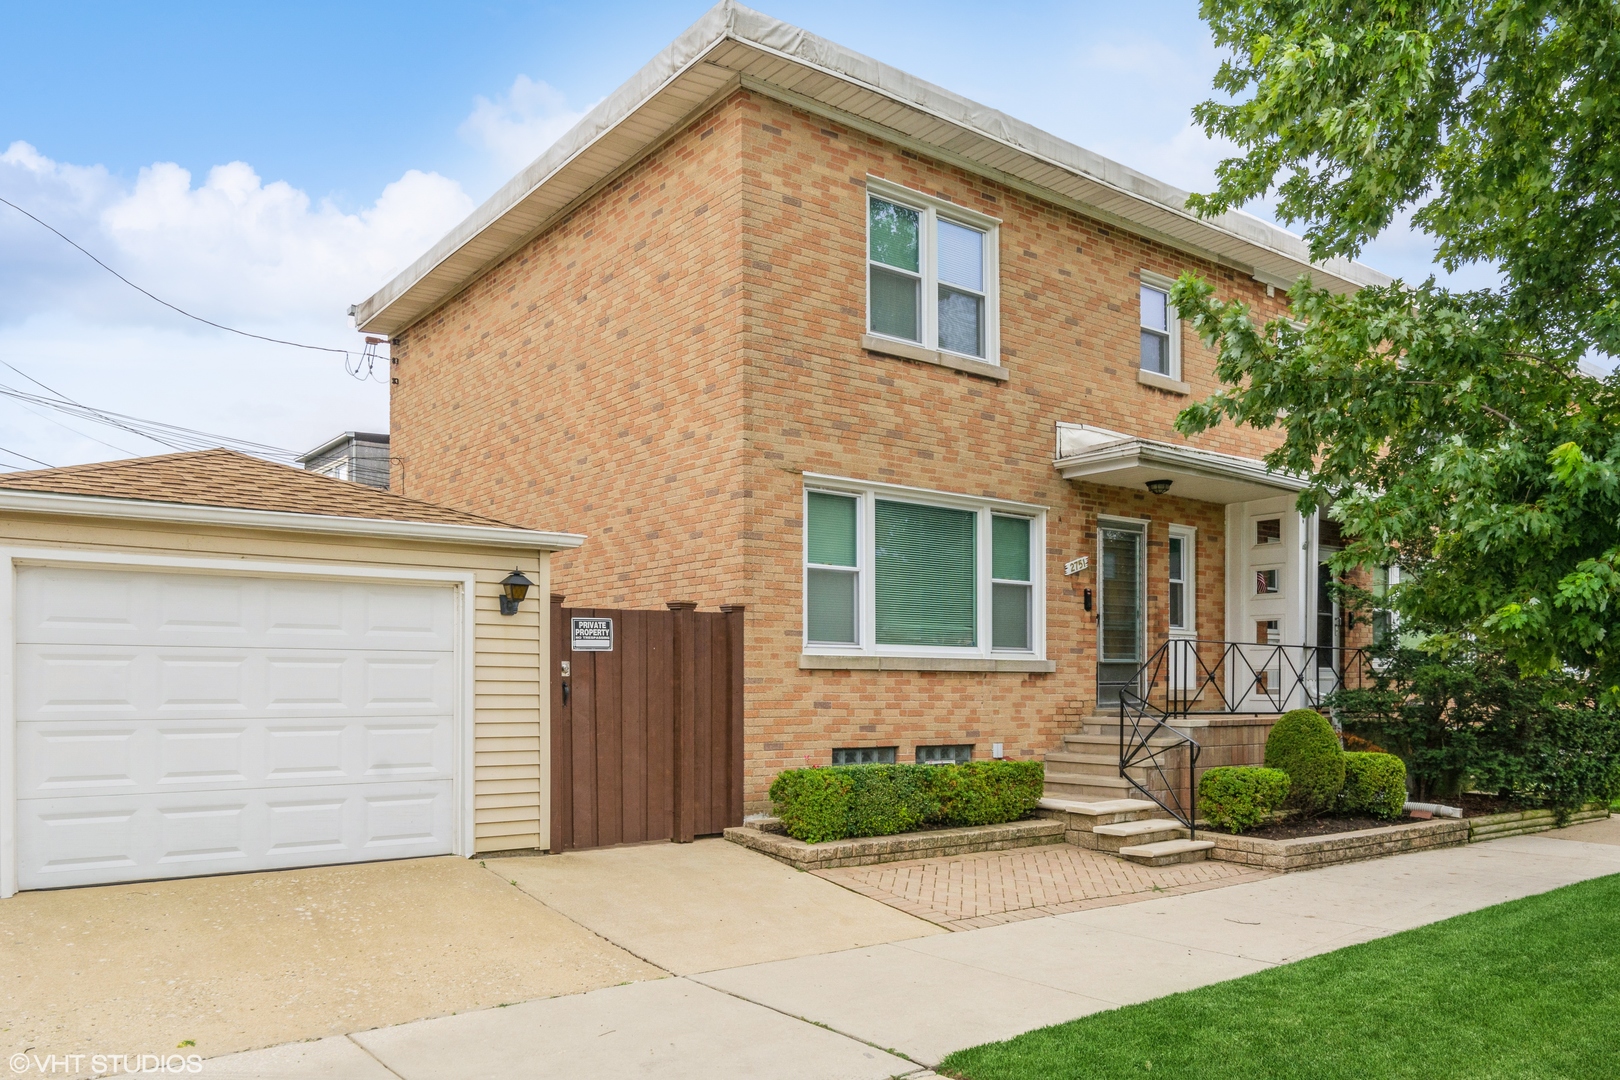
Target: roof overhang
{"x":92,"y":506}
{"x":732,"y":46}
{"x":375,"y":438}
{"x":1099,"y":456}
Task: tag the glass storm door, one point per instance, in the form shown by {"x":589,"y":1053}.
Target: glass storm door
{"x":1122,"y":585}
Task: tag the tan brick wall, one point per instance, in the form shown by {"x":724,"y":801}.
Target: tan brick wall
{"x":660,"y":379}
{"x":593,"y":381}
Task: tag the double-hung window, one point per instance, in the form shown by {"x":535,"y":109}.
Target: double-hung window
{"x":904,"y":572}
{"x":931,"y":272}
{"x":1161,"y":331}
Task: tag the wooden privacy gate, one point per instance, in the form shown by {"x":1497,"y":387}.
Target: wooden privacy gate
{"x":646,"y":724}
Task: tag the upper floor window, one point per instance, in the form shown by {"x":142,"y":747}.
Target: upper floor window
{"x":1161,"y":330}
{"x":904,"y":572}
{"x":931,"y":272}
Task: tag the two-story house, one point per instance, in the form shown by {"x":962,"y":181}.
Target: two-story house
{"x":781,"y":326}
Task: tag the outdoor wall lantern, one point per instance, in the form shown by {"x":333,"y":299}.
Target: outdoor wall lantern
{"x":514,"y":587}
{"x":1158,"y":487}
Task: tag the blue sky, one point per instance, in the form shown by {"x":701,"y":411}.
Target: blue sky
{"x":268,"y":165}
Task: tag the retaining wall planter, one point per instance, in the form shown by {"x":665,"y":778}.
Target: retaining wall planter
{"x":866,"y":850}
{"x":1519,"y":822}
{"x":1308,"y":852}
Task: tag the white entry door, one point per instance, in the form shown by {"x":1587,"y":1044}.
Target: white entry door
{"x":172,"y":724}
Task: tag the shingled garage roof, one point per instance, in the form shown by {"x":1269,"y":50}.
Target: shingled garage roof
{"x":733,"y":46}
{"x":274,"y":496}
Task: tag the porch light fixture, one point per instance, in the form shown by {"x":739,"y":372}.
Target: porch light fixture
{"x":1158,"y":487}
{"x":514,"y":587}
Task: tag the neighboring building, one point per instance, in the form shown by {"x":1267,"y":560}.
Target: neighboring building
{"x":361,"y":456}
{"x":780,"y":326}
{"x":218,"y":664}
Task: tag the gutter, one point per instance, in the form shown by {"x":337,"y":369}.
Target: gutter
{"x":96,"y":506}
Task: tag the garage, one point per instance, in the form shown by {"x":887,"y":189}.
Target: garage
{"x":200,"y":688}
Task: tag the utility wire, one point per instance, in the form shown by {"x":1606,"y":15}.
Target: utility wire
{"x":81,"y":405}
{"x":207,"y":322}
{"x":25,"y":457}
{"x":171,"y":435}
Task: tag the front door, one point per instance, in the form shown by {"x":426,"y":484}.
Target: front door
{"x":1121,"y":603}
{"x":1185,"y":666}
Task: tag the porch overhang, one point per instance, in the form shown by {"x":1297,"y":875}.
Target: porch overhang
{"x":1099,"y":456}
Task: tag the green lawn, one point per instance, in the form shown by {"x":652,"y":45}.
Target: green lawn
{"x":1526,"y":989}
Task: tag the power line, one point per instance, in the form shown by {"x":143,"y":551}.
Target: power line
{"x":25,"y":457}
{"x":171,"y":435}
{"x":207,"y":322}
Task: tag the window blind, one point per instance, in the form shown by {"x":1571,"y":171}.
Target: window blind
{"x":924,"y":575}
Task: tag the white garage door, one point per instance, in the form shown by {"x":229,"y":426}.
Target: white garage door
{"x":177,"y":724}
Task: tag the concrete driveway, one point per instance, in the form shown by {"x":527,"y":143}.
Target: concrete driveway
{"x":252,"y":960}
{"x":256,"y":960}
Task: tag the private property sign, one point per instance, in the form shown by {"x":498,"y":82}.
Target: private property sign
{"x":592,"y":634}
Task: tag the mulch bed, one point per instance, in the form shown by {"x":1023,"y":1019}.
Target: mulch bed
{"x":1294,"y":828}
{"x":1478,"y":804}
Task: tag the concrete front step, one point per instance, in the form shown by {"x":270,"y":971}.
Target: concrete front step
{"x":1085,"y":788}
{"x":1135,"y":834}
{"x":1080,"y":816}
{"x":1095,"y":743}
{"x":1166,"y":852}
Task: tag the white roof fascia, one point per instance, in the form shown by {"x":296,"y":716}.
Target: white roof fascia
{"x":1125,"y":453}
{"x":96,"y":506}
{"x":729,"y":21}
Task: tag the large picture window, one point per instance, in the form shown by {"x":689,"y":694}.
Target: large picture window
{"x":930,"y":273}
{"x":904,"y":572}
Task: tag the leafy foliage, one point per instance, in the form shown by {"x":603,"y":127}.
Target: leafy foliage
{"x":1304,"y":745}
{"x":821,"y":804}
{"x":1373,"y":784}
{"x":1238,"y":797}
{"x":1465,"y":718}
{"x":1453,"y":434}
{"x":1496,"y":119}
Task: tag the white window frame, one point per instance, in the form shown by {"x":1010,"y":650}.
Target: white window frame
{"x":932,"y":209}
{"x":1172,"y":324}
{"x":868,"y":493}
{"x":1189,"y":580}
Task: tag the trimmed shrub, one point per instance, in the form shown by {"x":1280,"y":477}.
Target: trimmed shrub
{"x":986,"y":792}
{"x":1238,"y":797}
{"x":814,"y":803}
{"x":889,"y":799}
{"x":1304,"y":745}
{"x":1373,"y":784}
{"x":821,"y":804}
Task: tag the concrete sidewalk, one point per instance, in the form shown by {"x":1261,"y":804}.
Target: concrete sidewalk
{"x":896,"y":1008}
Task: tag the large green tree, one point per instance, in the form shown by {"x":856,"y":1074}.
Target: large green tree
{"x":1454,"y":433}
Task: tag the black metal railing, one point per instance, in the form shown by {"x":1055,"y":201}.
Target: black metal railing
{"x":1140,"y":724}
{"x":1187,"y":677}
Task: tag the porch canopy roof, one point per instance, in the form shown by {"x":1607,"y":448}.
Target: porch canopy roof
{"x":1099,"y":456}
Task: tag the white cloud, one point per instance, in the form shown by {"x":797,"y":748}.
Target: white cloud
{"x":518,"y":126}
{"x":264,"y":257}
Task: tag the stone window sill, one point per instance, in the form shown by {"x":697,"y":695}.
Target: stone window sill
{"x":1162,"y":382}
{"x":821,"y":662}
{"x":906,"y":351}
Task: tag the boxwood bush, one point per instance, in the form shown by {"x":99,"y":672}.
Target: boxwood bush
{"x":1304,"y":745}
{"x":1238,"y":797}
{"x":821,"y":804}
{"x":1373,"y":784}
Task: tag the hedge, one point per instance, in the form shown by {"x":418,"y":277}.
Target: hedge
{"x":1373,"y":784}
{"x":1304,"y":745}
{"x":821,"y":804}
{"x":1236,"y":797}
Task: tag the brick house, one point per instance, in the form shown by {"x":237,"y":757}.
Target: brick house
{"x":780,"y":326}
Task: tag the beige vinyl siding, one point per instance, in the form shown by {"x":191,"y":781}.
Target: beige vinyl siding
{"x":511,"y":697}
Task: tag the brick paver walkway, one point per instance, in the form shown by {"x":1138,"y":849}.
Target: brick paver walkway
{"x":963,"y":892}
